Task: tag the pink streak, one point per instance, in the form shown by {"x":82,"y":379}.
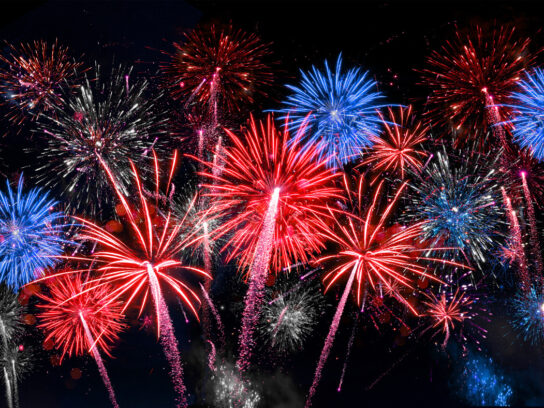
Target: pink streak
{"x":535,"y":243}
{"x":330,"y":337}
{"x":99,"y":362}
{"x":280,"y":318}
{"x":215,"y":314}
{"x":350,"y":345}
{"x":167,"y":337}
{"x":211,"y":356}
{"x":207,"y":284}
{"x":257,"y":279}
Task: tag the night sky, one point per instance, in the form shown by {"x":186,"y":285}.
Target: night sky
{"x":391,"y":39}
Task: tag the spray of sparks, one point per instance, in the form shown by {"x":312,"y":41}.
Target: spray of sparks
{"x":371,"y":254}
{"x":528,"y":113}
{"x":110,"y":119}
{"x":31,"y":234}
{"x":32,"y":76}
{"x":457,"y":201}
{"x":399,"y":147}
{"x":469,"y":74}
{"x":78,"y":321}
{"x":528,"y":315}
{"x":137,"y":268}
{"x":341,"y":109}
{"x":221,"y":66}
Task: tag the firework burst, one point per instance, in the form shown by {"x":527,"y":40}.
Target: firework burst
{"x":458,"y":203}
{"x":528,"y":315}
{"x":471,"y":73}
{"x":340,"y":108}
{"x":400,"y":145}
{"x":32,"y":77}
{"x":218,"y":66}
{"x":31,"y":235}
{"x":109,"y":120}
{"x":10,"y":315}
{"x":528,"y":114}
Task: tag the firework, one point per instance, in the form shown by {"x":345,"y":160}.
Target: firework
{"x":455,"y":312}
{"x":372,"y":254}
{"x":15,"y":362}
{"x":289,"y":318}
{"x":528,"y":314}
{"x":528,"y":107}
{"x":272,"y":197}
{"x":471,"y":75}
{"x":535,"y":240}
{"x":110,"y":119}
{"x":31,"y":235}
{"x":32,"y":77}
{"x":341,"y":109}
{"x":458,"y":203}
{"x":481,"y":384}
{"x":400,"y":146}
{"x":78,"y":321}
{"x":229,"y":390}
{"x":218,"y":68}
{"x":10,"y":315}
{"x":252,"y":169}
{"x":138,"y":268}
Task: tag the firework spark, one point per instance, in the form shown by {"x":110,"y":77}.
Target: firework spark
{"x":469,"y":70}
{"x":214,"y":66}
{"x":105,"y":122}
{"x":400,"y":146}
{"x":340,"y":108}
{"x":78,"y":321}
{"x":32,"y":77}
{"x":528,"y":315}
{"x":31,"y":235}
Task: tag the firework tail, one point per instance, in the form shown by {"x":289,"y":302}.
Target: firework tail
{"x":495,"y":119}
{"x":211,"y":356}
{"x":9,"y":388}
{"x":167,"y":337}
{"x":257,"y":278}
{"x":535,"y":242}
{"x":330,"y":337}
{"x":350,"y":345}
{"x":215,"y":314}
{"x":206,"y":324}
{"x":280,"y":319}
{"x":515,"y":233}
{"x":98,"y":358}
{"x":9,"y":397}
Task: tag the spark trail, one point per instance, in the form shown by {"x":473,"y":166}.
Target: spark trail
{"x":215,"y":313}
{"x":535,"y":244}
{"x":515,"y":233}
{"x":330,"y":337}
{"x":350,"y":345}
{"x":167,"y":337}
{"x":98,"y":358}
{"x":9,"y":397}
{"x":208,"y":284}
{"x":257,"y":279}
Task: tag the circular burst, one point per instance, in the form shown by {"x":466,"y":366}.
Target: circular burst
{"x":470,"y":74}
{"x":71,"y":311}
{"x":289,"y":316}
{"x":455,"y":312}
{"x":400,"y":145}
{"x":340,"y":107}
{"x":10,"y":314}
{"x":528,"y":115}
{"x":458,"y":204}
{"x":528,"y":315}
{"x":377,"y":254}
{"x":32,"y":76}
{"x":218,"y":65}
{"x":253,"y":168}
{"x":108,"y":121}
{"x":31,"y":235}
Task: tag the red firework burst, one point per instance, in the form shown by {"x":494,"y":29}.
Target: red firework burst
{"x":266,"y":159}
{"x":378,"y":254}
{"x":400,"y":146}
{"x":68,"y":308}
{"x":447,"y":311}
{"x":32,"y":75}
{"x":469,"y":74}
{"x":223,"y":65}
{"x":137,"y":267}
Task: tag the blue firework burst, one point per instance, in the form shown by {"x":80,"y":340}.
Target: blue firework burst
{"x":528,"y":315}
{"x":528,"y":117}
{"x":458,"y":204}
{"x":31,"y":235}
{"x":342,"y":109}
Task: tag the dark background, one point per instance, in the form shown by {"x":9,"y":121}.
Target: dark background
{"x":389,"y":38}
